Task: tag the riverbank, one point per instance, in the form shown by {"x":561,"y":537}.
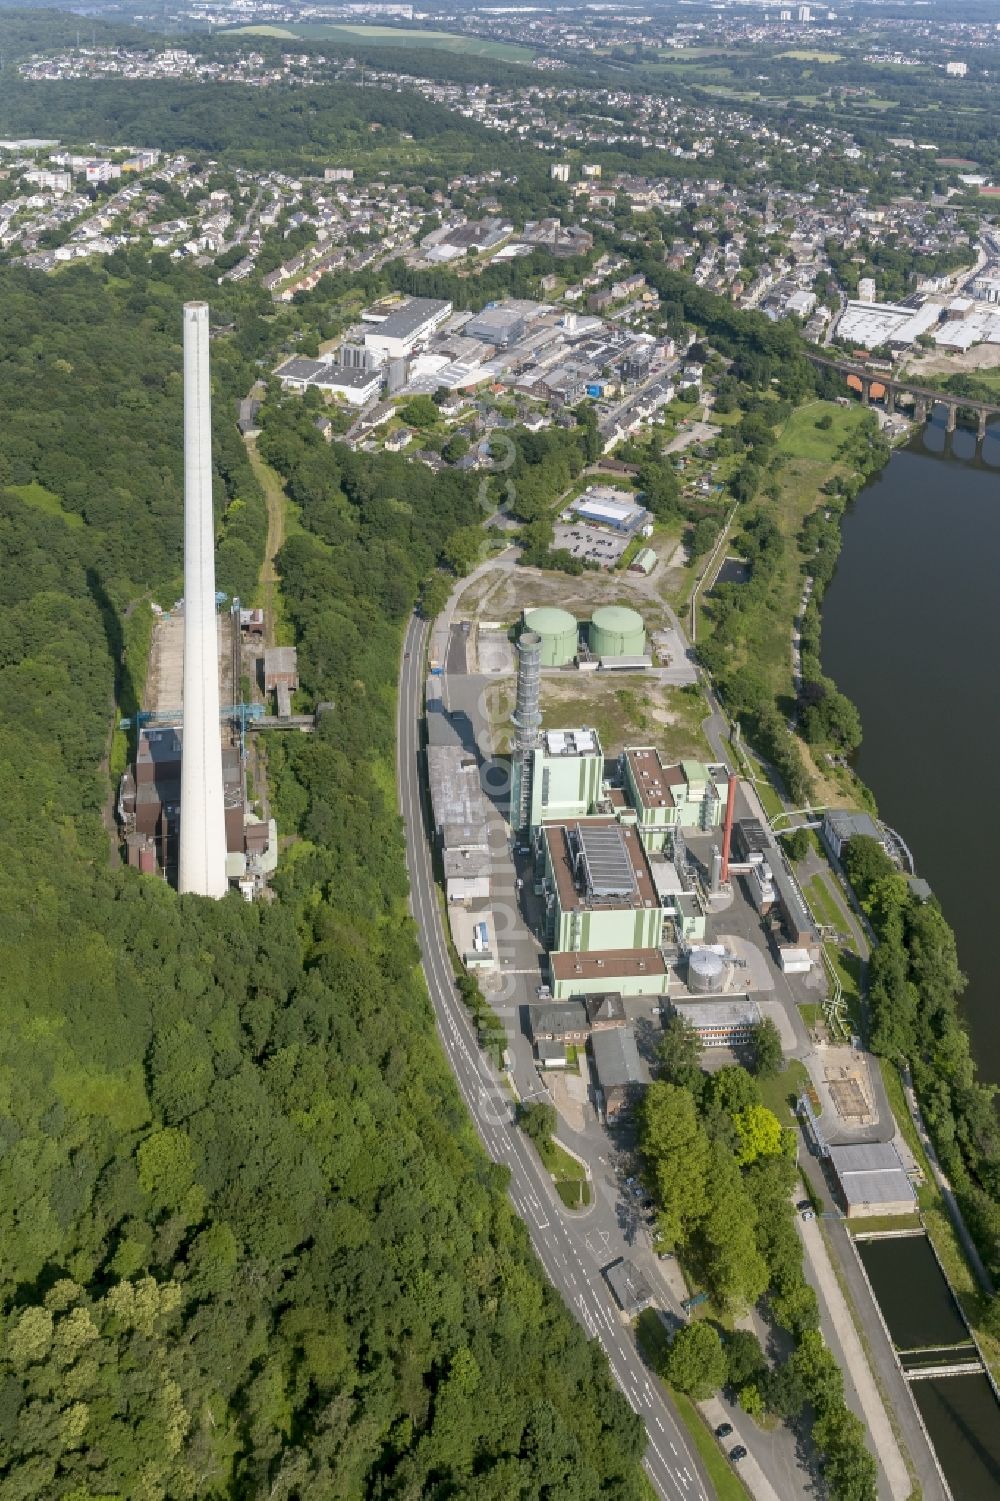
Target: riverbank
{"x":827,"y":454}
{"x":930,"y":1034}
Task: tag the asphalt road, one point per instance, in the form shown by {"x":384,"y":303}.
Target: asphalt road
{"x":558,"y":1241}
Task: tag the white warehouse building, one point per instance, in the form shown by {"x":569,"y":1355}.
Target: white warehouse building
{"x":395,"y":332}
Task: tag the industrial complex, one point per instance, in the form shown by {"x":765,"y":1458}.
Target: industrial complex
{"x":651,"y":887}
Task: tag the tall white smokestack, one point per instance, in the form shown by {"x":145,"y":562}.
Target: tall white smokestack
{"x":202,"y":866}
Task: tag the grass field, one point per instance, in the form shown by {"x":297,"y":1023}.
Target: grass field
{"x":823,"y":903}
{"x":776,"y":1093}
{"x":807,"y":458}
{"x":396,"y":36}
{"x":803,"y":55}
{"x":40,"y":499}
{"x":635,"y":713}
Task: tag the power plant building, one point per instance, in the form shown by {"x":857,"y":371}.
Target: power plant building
{"x":686,"y":796}
{"x":599,"y":892}
{"x":567,"y":775}
{"x":558,"y":633}
{"x":202,"y":854}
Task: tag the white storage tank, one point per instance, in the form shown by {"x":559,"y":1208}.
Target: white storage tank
{"x":706,"y":972}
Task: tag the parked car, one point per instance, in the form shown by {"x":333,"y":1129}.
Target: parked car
{"x":737,"y":1454}
{"x":724,"y":1430}
{"x":804,"y":1204}
{"x":808,"y":1214}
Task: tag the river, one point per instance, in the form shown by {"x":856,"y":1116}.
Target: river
{"x":911,"y":632}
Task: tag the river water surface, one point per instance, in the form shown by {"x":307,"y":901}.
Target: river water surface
{"x":911,"y":632}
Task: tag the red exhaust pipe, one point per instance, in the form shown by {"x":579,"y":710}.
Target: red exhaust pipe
{"x":727,"y":833}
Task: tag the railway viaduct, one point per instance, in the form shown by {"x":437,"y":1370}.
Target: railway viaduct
{"x":924,"y":398}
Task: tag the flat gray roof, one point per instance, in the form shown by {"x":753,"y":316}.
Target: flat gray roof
{"x":413,"y":314}
{"x":351,"y":377}
{"x":740,"y":1013}
{"x":847,"y":825}
{"x":456,"y":793}
{"x":871,"y":1172}
{"x":467,"y":864}
{"x":616,"y":1057}
{"x":631,"y":1290}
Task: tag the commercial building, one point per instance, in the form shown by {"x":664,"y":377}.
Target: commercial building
{"x":871,"y":1179}
{"x":617,"y":1067}
{"x":397,"y":328}
{"x":458,"y":810}
{"x":466,"y":860}
{"x":686,"y":796}
{"x":720,"y":1023}
{"x":567,"y":773}
{"x":598,"y":888}
{"x":502,"y":323}
{"x":618,"y":510}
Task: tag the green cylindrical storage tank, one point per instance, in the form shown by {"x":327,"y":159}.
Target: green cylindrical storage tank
{"x":559,"y":634}
{"x":617,"y":631}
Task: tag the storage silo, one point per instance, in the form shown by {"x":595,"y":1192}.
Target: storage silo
{"x":558,"y":631}
{"x":705,"y":972}
{"x":617,"y":631}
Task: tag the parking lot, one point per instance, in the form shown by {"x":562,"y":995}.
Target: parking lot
{"x":591,"y":543}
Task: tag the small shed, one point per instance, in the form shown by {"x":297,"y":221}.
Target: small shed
{"x":631,"y":1291}
{"x":281,"y":669}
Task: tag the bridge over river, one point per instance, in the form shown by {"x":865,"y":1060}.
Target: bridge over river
{"x":892,"y":389}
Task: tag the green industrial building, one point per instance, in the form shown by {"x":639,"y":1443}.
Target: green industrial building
{"x":567,"y":773}
{"x":686,"y":796}
{"x":599,"y":891}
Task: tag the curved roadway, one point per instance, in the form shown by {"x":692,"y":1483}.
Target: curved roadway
{"x":558,"y":1241}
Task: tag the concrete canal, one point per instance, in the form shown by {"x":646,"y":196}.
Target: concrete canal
{"x":939,"y":1360}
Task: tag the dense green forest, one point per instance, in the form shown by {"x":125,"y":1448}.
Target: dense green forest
{"x":273,"y":129}
{"x":251,"y":1246}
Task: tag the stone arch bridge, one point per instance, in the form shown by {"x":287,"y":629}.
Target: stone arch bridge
{"x":924,"y":398}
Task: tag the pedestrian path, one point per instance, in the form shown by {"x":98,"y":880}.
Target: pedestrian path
{"x":864,"y":1383}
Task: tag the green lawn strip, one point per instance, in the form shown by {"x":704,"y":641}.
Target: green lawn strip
{"x":824,"y":904}
{"x":876,"y":1223}
{"x":568,"y":1175}
{"x":747,"y":761}
{"x":777,"y":1091}
{"x":725,"y":1481}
